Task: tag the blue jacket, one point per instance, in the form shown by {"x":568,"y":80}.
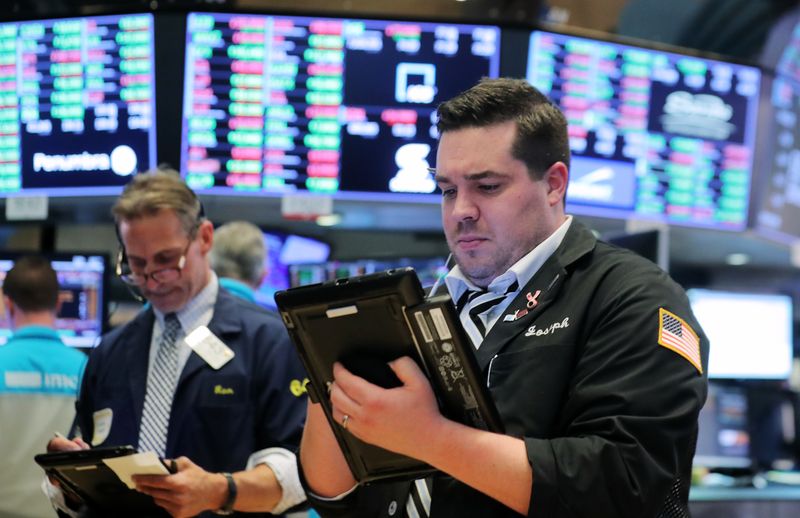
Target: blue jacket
{"x":218,"y":417}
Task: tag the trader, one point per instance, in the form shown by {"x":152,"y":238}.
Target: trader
{"x":591,"y":353}
{"x":237,"y":257}
{"x":39,"y":379}
{"x":200,"y":376}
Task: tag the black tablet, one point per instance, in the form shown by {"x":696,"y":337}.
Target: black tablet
{"x":83,"y":475}
{"x":366,"y":321}
{"x":360,"y":322}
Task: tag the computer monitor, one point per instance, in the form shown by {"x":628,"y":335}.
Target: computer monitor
{"x":283,"y":252}
{"x":279,"y":104}
{"x":429,"y":269}
{"x":723,"y":439}
{"x":776,"y":214}
{"x":750,"y":334}
{"x":654,"y":134}
{"x":650,"y":244}
{"x":82,"y":280}
{"x":76,"y":104}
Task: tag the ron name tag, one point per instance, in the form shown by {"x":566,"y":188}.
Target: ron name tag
{"x":209,"y":347}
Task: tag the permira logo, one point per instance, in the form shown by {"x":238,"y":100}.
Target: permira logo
{"x":121,"y":161}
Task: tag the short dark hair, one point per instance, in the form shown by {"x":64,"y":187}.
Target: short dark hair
{"x":542,"y":138}
{"x":32,"y":284}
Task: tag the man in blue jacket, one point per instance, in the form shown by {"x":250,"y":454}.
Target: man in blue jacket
{"x":200,"y":376}
{"x":39,"y":379}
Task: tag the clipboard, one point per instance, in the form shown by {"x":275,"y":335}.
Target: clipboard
{"x":85,"y":477}
{"x":366,"y":321}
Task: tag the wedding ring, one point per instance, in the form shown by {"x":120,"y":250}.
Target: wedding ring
{"x":344,"y":421}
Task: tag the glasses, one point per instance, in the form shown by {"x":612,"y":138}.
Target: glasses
{"x":162,"y":275}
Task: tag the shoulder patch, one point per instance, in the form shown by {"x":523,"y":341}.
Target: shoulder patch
{"x":675,"y":334}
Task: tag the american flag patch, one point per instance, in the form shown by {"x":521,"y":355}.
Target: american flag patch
{"x":676,"y":335}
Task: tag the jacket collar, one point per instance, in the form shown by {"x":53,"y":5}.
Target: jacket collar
{"x":577,"y":243}
{"x":34,"y":331}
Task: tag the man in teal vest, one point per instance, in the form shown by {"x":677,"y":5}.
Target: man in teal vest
{"x":39,"y":380}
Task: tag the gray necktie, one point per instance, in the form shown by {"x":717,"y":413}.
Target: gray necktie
{"x":160,"y":389}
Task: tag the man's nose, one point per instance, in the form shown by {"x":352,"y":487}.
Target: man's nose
{"x":464,"y":208}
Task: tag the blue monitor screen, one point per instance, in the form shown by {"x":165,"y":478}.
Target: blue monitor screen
{"x":76,"y":104}
{"x":277,"y":104}
{"x":654,"y":134}
{"x":757,"y":347}
{"x":82,"y":284}
{"x":284,"y":250}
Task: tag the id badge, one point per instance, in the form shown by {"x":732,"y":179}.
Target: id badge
{"x":208,"y":347}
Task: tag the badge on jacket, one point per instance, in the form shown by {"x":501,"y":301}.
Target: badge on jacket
{"x":102,"y":420}
{"x":210,"y":348}
{"x":676,"y":335}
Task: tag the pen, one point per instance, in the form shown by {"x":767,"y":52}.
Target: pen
{"x":58,"y":435}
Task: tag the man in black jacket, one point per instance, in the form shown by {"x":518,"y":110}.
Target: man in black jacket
{"x":592,"y":354}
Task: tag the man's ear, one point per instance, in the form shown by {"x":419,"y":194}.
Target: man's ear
{"x":9,"y":307}
{"x":557,"y":178}
{"x":206,"y":235}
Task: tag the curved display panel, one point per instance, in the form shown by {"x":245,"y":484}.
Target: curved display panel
{"x":277,"y":104}
{"x":654,"y":134}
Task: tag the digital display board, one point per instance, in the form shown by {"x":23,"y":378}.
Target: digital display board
{"x":82,"y":291}
{"x":76,"y":104}
{"x":777,"y":213}
{"x":276,"y":104}
{"x":654,"y":134}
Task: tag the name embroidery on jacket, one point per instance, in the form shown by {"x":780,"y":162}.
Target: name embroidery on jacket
{"x":552,"y":328}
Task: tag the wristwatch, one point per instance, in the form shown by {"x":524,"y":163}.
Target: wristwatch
{"x":227,"y":507}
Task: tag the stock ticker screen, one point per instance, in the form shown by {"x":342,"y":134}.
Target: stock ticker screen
{"x":276,"y":104}
{"x":76,"y":103}
{"x":654,"y":135}
{"x":777,"y":214}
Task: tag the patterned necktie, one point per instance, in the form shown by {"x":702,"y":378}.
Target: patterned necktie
{"x":479,"y":302}
{"x":160,"y":389}
{"x":418,"y":504}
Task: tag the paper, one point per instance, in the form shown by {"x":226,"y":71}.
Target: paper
{"x":146,"y":463}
